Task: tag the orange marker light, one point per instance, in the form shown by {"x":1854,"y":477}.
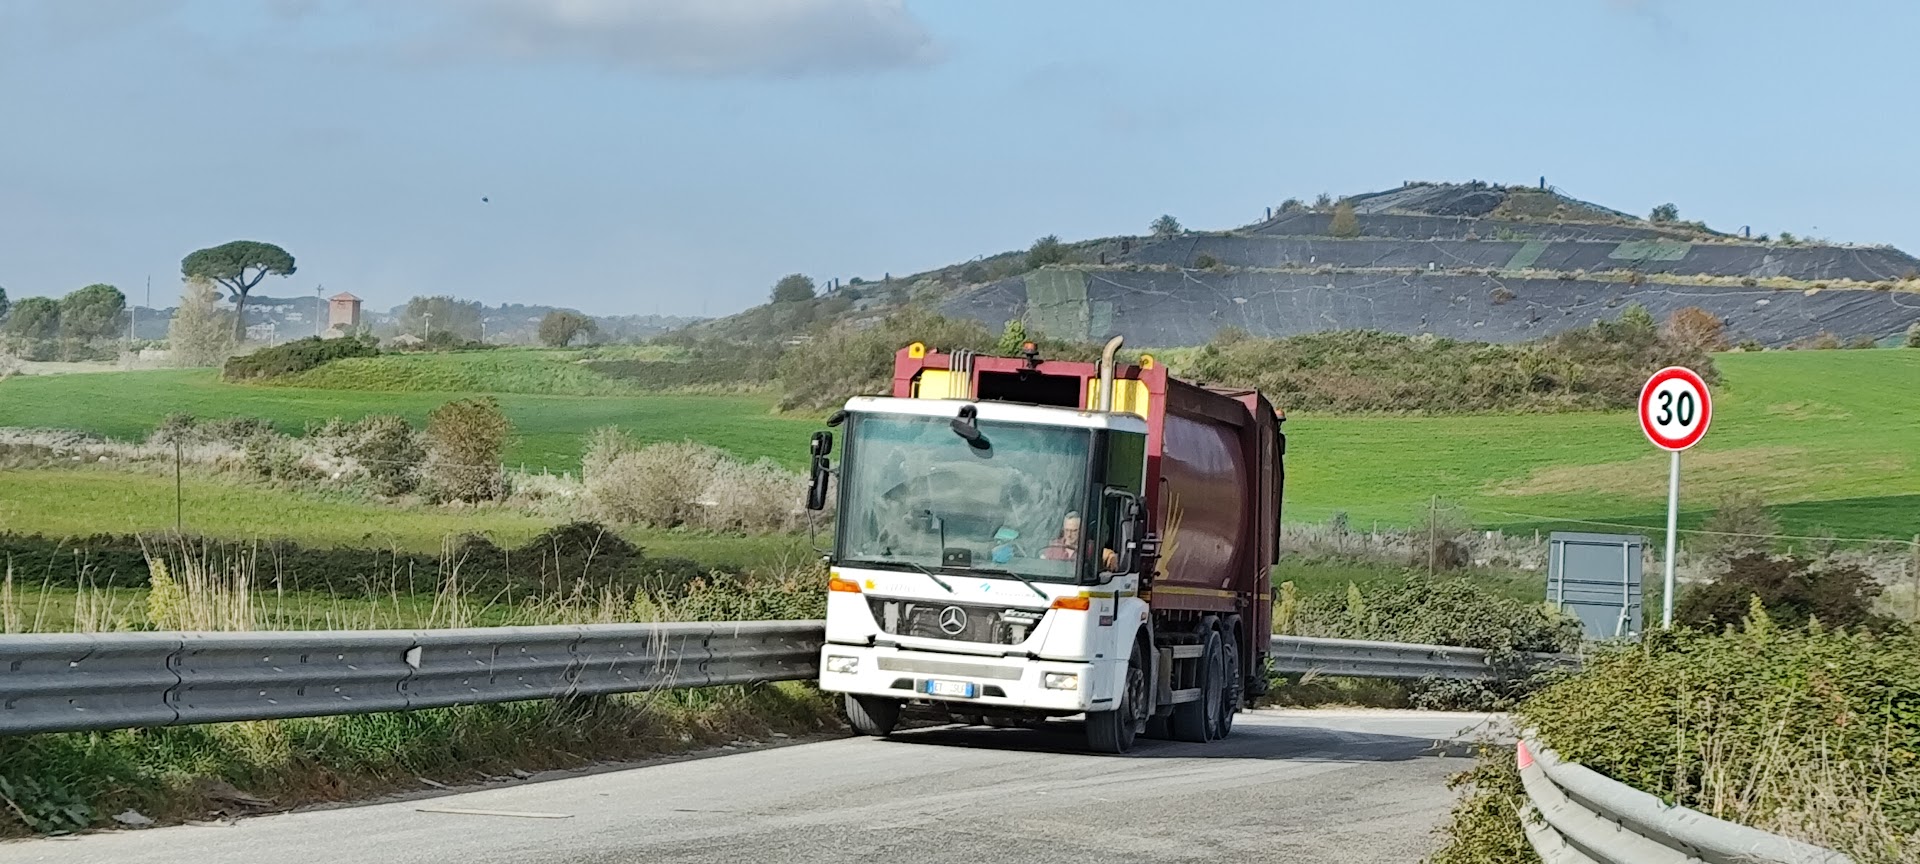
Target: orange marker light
{"x":836,"y":583}
{"x":1080,"y":604}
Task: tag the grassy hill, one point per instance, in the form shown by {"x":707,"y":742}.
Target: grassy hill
{"x":1831,"y":438}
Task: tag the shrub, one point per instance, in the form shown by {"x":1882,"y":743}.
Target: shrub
{"x":390,"y":450}
{"x":1697,"y":329}
{"x":1501,"y":296}
{"x":1740,"y":525}
{"x":465,"y":440}
{"x":793,"y":288}
{"x":660,"y":485}
{"x":1664,"y":213}
{"x":1203,"y":261}
{"x":1444,"y":612}
{"x":1012,"y":338}
{"x":1791,"y":590}
{"x":1636,"y":318}
{"x":1345,"y":223}
{"x":272,"y":456}
{"x":1913,"y":335}
{"x":752,"y":498}
{"x":561,"y":326}
{"x":296,"y":356}
{"x":845,"y":361}
{"x":1602,"y":366}
{"x":1165,"y":226}
{"x":1046,"y":250}
{"x":1805,"y":732}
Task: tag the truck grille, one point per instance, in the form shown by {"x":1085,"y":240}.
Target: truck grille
{"x":967,"y":622}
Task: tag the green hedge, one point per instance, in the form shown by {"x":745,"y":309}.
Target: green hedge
{"x":296,"y":356}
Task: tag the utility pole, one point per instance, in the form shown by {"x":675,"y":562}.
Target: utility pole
{"x":319,"y":310}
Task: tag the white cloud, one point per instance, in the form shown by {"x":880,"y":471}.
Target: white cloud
{"x":705,"y":38}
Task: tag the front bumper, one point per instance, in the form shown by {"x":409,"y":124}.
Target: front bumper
{"x":996,"y":681}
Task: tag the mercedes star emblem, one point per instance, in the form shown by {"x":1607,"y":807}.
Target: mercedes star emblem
{"x":953,"y":620}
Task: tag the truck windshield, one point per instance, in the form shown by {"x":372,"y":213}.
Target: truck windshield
{"x":915,"y":493}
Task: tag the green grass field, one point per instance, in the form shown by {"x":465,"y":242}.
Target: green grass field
{"x":549,"y":430}
{"x":84,"y":501}
{"x":1831,"y":438}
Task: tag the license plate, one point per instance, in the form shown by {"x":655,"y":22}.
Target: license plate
{"x":961,"y":689}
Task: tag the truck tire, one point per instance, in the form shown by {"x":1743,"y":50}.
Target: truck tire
{"x":1197,"y":721}
{"x":872,"y":715}
{"x":1114,"y":731}
{"x":1231,"y":684}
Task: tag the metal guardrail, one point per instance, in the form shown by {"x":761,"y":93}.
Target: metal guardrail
{"x":79,"y":682}
{"x":76,"y":682}
{"x":1575,"y":815}
{"x":1362,"y":659}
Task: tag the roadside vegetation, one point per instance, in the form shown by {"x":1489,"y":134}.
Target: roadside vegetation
{"x":1780,"y":701}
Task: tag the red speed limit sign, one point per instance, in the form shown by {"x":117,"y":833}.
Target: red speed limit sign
{"x":1675,"y":408}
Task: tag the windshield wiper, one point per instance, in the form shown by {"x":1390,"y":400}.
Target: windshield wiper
{"x":930,"y":574}
{"x":1023,"y":580}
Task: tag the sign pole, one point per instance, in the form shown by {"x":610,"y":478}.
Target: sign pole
{"x":1675,"y":410}
{"x":1673,"y":519}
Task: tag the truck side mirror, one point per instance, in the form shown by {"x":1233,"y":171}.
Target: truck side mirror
{"x":817,"y":478}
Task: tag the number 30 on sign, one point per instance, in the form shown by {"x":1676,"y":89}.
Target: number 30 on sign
{"x":1675,"y":408}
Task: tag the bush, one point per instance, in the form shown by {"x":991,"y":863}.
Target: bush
{"x":846,"y":361}
{"x":390,"y":451}
{"x":296,"y":356}
{"x":465,"y":440}
{"x":269,"y":455}
{"x":1344,"y":223}
{"x":1442,"y":612}
{"x":1806,"y":732}
{"x":1204,"y":261}
{"x":1697,"y":329}
{"x":1046,"y":250}
{"x":562,"y":326}
{"x":1740,"y":525}
{"x":660,"y":485}
{"x":1791,"y":590}
{"x":1602,"y":366}
{"x":1913,"y":335}
{"x":752,"y":498}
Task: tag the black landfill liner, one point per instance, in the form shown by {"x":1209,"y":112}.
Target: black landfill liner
{"x":1804,"y":263}
{"x":1161,"y":308}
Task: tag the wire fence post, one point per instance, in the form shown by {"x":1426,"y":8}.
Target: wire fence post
{"x":1913,"y":564}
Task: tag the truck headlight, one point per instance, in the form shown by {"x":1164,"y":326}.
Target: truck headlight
{"x":1060,"y":681}
{"x":842,"y":664}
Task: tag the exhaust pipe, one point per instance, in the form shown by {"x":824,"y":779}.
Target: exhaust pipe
{"x":1106,"y":373}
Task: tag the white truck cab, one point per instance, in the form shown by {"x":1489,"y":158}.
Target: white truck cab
{"x":986,"y":562}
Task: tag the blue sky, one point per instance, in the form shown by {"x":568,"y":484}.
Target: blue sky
{"x":680,"y":155}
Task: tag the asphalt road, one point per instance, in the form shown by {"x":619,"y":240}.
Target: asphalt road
{"x":1351,"y":786}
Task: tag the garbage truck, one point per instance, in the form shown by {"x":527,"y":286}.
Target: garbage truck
{"x":1018,"y":539}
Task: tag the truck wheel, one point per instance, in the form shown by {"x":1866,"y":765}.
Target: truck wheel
{"x":1114,"y":731}
{"x":1197,"y":721}
{"x":1230,"y":684}
{"x":873,"y":715}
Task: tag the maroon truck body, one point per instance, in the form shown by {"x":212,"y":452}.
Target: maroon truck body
{"x":1215,"y":472}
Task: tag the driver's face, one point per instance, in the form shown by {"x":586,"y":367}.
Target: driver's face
{"x":1070,"y":531}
